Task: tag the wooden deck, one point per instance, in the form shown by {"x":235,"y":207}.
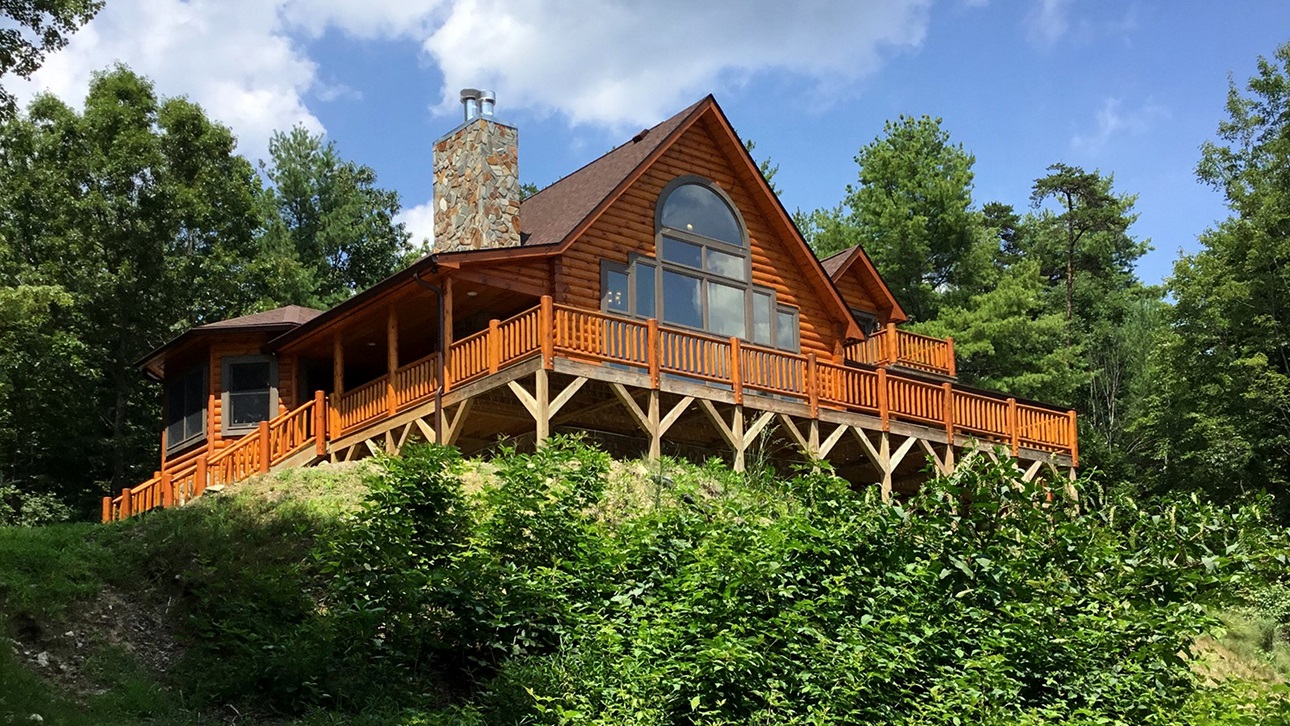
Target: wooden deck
{"x":885,"y":401}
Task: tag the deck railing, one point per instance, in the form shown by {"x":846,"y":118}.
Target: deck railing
{"x":549,"y":330}
{"x":893,"y":346}
{"x":590,"y":335}
{"x":273,"y":442}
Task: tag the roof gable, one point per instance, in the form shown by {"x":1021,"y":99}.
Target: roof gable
{"x":855,"y":262}
{"x":727,"y":152}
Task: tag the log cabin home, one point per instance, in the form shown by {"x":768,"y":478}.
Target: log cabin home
{"x":659,"y":298}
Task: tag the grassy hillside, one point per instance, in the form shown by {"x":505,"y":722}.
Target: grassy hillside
{"x":563,"y":587}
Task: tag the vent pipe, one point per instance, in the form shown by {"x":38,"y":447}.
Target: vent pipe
{"x":470,"y":103}
{"x":487,"y":103}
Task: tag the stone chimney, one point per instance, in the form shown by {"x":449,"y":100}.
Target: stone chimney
{"x":477,"y":181}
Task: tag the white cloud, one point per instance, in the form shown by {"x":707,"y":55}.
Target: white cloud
{"x":632,"y":63}
{"x":1113,"y":120}
{"x":614,"y":63}
{"x":231,"y":56}
{"x":1048,"y":21}
{"x":419,"y":221}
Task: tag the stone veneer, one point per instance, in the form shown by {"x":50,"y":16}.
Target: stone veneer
{"x":477,"y":187}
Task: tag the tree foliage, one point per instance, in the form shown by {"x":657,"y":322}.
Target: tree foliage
{"x":912,"y":210}
{"x":128,"y":222}
{"x":1220,"y":413}
{"x":560,"y":594}
{"x":30,"y":30}
{"x":329,"y":230}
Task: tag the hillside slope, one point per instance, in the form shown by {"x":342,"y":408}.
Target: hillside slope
{"x":564,"y":587}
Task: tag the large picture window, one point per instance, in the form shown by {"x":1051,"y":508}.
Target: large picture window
{"x":186,"y":408}
{"x":250,"y":392}
{"x":701,"y":275}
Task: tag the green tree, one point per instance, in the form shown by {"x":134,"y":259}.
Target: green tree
{"x":767,"y":169}
{"x":1220,"y":412}
{"x":1006,"y":339}
{"x":912,"y":210}
{"x":140,"y":215}
{"x":30,"y":30}
{"x":329,"y":229}
{"x":1093,"y":224}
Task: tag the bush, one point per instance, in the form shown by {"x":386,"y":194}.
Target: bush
{"x":30,"y":509}
{"x":684,"y":594}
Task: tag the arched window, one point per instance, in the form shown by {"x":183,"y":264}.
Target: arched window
{"x":701,"y":274}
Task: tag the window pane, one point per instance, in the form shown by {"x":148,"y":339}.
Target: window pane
{"x":727,"y":265}
{"x":868,"y":321}
{"x":681,"y":302}
{"x":763,"y":304}
{"x":175,"y":432}
{"x":786,"y":329}
{"x":615,"y":291}
{"x":247,"y":376}
{"x":645,"y":291}
{"x":682,"y":253}
{"x":726,"y":310}
{"x":175,"y":402}
{"x":248,"y":408}
{"x":194,"y":423}
{"x":195,"y":391}
{"x":697,"y":209}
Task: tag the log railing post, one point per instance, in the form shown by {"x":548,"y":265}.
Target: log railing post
{"x":813,"y":384}
{"x":893,"y":346}
{"x":1014,"y":435}
{"x":337,"y":380}
{"x":200,"y":476}
{"x":546,"y":331}
{"x":391,"y":358}
{"x":1074,"y":437}
{"x":107,"y":509}
{"x":265,"y":448}
{"x":125,"y":504}
{"x":952,"y":364}
{"x":494,"y":345}
{"x":652,"y":343}
{"x":167,"y":490}
{"x":883,"y":406}
{"x":320,"y":423}
{"x":736,"y":371}
{"x":947,"y":393}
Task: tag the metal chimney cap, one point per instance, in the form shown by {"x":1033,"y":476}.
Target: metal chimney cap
{"x":469,"y":94}
{"x":487,"y":103}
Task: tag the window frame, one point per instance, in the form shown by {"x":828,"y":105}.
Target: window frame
{"x":706,"y":277}
{"x":227,"y":427}
{"x":181,"y":382}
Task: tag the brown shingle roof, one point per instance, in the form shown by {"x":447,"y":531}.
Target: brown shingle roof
{"x":289,"y":315}
{"x":550,"y":215}
{"x":835,"y":262}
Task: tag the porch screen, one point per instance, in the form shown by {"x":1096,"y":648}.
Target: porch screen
{"x":186,"y":408}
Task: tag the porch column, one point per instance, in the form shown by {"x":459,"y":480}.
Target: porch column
{"x":391,"y":357}
{"x":337,"y":380}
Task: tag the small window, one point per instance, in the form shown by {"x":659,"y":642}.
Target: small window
{"x":613,"y":284}
{"x":645,"y":294}
{"x":763,"y":306}
{"x":786,"y":336}
{"x":186,"y":408}
{"x":250,"y":392}
{"x":867,"y":321}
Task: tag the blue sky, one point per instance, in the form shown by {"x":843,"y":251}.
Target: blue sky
{"x":1130,"y":88}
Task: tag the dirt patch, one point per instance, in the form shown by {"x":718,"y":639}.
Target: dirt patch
{"x":61,"y":652}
